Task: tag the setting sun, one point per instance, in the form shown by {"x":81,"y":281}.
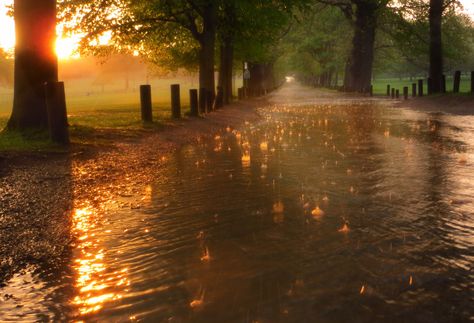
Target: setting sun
{"x":65,"y":46}
{"x":7,"y":41}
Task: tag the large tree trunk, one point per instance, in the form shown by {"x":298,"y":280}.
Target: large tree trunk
{"x":207,"y":47}
{"x":436,"y":51}
{"x":35,"y":62}
{"x":359,"y":69}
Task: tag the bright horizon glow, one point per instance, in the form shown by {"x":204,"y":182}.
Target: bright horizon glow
{"x":66,"y":46}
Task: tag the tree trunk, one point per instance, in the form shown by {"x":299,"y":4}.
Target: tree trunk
{"x":436,"y":51}
{"x":227,"y":34}
{"x":359,"y":67}
{"x":256,"y":83}
{"x":35,"y":62}
{"x":226,"y":69}
{"x":269,"y":77}
{"x":207,"y":47}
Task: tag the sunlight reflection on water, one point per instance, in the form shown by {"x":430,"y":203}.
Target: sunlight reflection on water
{"x":96,"y":285}
{"x":327,"y":212}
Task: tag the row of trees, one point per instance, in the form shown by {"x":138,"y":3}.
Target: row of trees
{"x":321,"y":39}
{"x":175,"y":33}
{"x":359,"y":38}
{"x":183,"y":33}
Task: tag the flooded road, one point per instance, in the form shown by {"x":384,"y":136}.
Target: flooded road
{"x":329,"y":209}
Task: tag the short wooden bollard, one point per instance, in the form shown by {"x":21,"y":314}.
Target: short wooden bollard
{"x":457,"y":81}
{"x":57,"y":115}
{"x":202,"y":100}
{"x":145,"y":103}
{"x":371,"y":90}
{"x":219,"y":98}
{"x":193,"y":103}
{"x":240,"y":93}
{"x":393,"y":93}
{"x":405,"y":92}
{"x":429,"y":85}
{"x":413,"y":89}
{"x":175,"y":102}
{"x":388,"y":90}
{"x":397,"y":93}
{"x":209,"y":101}
{"x":443,"y":83}
{"x":420,"y":87}
{"x":472,"y":82}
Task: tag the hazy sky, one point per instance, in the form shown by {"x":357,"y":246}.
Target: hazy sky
{"x":66,"y":46}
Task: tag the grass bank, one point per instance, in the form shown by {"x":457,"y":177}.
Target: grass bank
{"x":380,"y":85}
{"x":91,"y":127}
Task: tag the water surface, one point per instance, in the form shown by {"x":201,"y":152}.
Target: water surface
{"x":325,"y":210}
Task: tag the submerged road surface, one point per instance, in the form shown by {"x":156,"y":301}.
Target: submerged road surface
{"x":330,"y":209}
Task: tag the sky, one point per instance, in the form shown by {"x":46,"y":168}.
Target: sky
{"x":65,"y":46}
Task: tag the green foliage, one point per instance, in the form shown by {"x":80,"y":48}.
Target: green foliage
{"x":167,"y":32}
{"x":403,"y":40}
{"x":318,"y":43}
{"x":164,"y":32}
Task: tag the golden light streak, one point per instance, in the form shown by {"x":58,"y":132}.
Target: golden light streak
{"x":94,"y":288}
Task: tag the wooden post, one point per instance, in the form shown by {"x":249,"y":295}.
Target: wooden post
{"x":430,"y":85}
{"x":420,"y":87}
{"x":405,"y":92}
{"x":193,"y":102}
{"x":472,"y":82}
{"x":57,"y":115}
{"x":202,"y":100}
{"x":397,"y":93}
{"x":443,"y":83}
{"x":393,"y":93}
{"x":371,"y":90}
{"x":209,"y":101}
{"x":145,"y":102}
{"x":388,"y":89}
{"x":175,"y":102}
{"x":457,"y":81}
{"x":240,"y":93}
{"x":413,"y":89}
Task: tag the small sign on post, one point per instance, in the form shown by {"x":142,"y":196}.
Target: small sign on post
{"x":246,"y":75}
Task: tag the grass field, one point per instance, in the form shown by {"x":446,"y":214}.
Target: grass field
{"x":93,"y":110}
{"x":380,"y":85}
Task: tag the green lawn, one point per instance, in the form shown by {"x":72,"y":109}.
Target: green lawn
{"x":380,"y":85}
{"x":95,"y":113}
{"x":93,"y":110}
